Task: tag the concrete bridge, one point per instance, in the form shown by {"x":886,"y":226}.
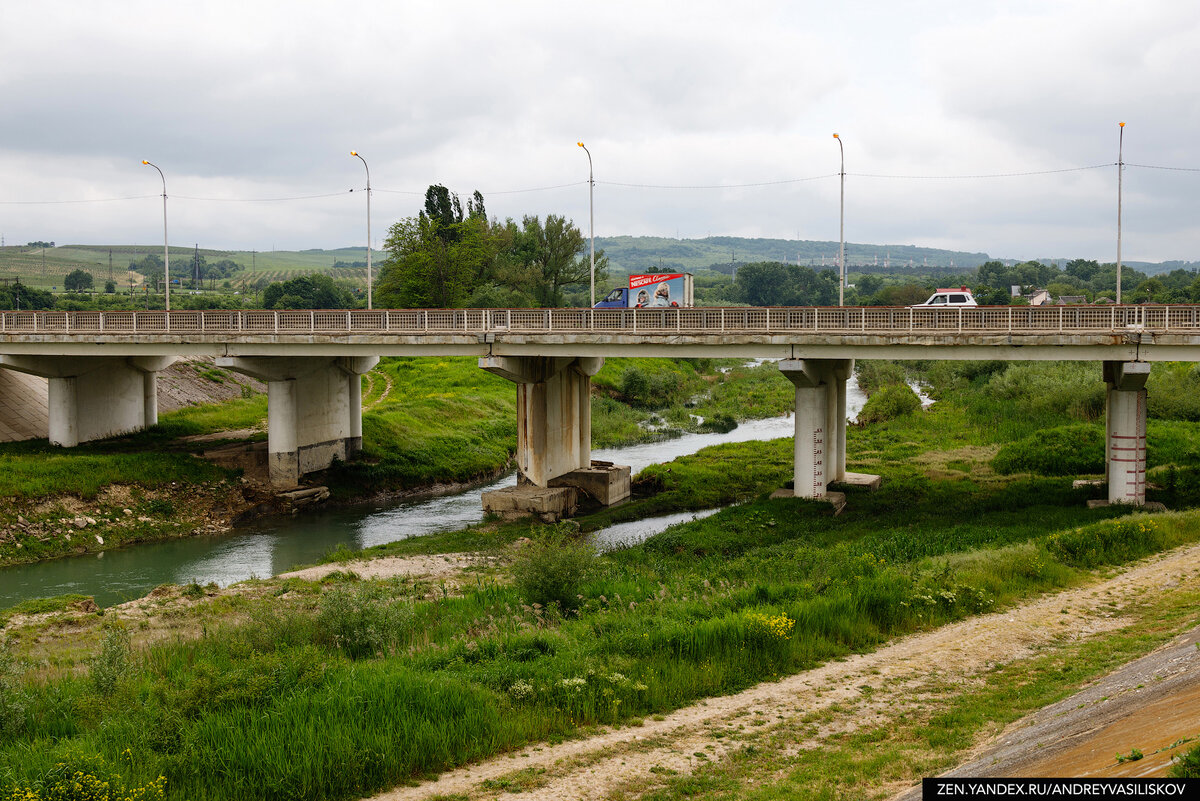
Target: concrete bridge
{"x":101,"y":368}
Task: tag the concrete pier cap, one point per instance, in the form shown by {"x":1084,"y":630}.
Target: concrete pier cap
{"x":554,"y":438}
{"x":93,"y":397}
{"x":314,"y":409}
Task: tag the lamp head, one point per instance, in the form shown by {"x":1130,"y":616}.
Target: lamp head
{"x":146,"y":162}
{"x":581,"y":143}
{"x":835,"y":136}
{"x":353,"y":152}
{"x":1121,"y":124}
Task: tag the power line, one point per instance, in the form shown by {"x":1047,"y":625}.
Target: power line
{"x":58,"y":202}
{"x":986,"y":175}
{"x":719,"y":186}
{"x":1153,"y":167}
{"x":259,"y":199}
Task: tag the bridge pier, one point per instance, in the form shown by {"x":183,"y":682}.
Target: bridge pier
{"x":1125,"y":441}
{"x":819,"y":456}
{"x":554,"y":437}
{"x":93,"y":397}
{"x":314,"y":409}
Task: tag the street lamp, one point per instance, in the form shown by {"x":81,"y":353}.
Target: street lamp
{"x":842,"y":230}
{"x":364,"y":161}
{"x":1120,"y":171}
{"x":591,"y":219}
{"x":166,"y":250}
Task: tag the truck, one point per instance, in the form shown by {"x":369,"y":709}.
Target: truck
{"x":654,"y":290}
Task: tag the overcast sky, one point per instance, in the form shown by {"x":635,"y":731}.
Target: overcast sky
{"x":243,"y":101}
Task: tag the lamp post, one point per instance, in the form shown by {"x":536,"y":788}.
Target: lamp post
{"x":1120,"y":172}
{"x":842,"y":230}
{"x":166,"y":250}
{"x":591,"y":219}
{"x":364,"y":161}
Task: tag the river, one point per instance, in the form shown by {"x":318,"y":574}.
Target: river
{"x":274,"y":546}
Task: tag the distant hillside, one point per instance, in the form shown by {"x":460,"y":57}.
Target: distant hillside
{"x":632,"y":254}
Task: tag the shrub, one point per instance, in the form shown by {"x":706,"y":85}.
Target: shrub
{"x":1186,"y":766}
{"x":552,"y":569}
{"x":873,"y":375}
{"x":358,"y":620}
{"x":1110,"y":542}
{"x":112,"y":663}
{"x":1063,"y":451}
{"x":895,"y":400}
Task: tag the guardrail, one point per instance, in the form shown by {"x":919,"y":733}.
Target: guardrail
{"x":777,"y":320}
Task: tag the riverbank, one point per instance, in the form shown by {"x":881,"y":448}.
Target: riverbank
{"x":431,"y":427}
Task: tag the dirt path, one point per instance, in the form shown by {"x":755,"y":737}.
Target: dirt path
{"x":864,"y":690}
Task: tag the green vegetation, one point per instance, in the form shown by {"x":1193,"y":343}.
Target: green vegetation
{"x":888,"y":403}
{"x":339,"y":688}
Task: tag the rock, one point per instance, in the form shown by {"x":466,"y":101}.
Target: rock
{"x":91,"y":521}
{"x":127,"y":512}
{"x":80,"y":522}
{"x":86,"y":605}
{"x":99,"y":539}
{"x":21,"y":519}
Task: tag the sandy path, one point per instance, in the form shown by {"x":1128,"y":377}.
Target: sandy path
{"x":876,"y":686}
{"x":439,"y":566}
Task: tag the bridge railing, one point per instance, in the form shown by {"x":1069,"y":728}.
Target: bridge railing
{"x":840,"y":320}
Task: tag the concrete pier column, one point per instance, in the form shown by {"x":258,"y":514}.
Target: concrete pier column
{"x":314,"y":409}
{"x":93,"y":397}
{"x":554,"y":437}
{"x":812,"y":379}
{"x":1125,"y":462}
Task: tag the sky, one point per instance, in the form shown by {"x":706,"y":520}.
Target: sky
{"x":965,"y":125}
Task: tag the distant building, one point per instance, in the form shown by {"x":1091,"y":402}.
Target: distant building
{"x":1071,"y":300}
{"x":1039,"y":297}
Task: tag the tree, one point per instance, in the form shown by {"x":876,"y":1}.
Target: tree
{"x":307,"y":292}
{"x":77,"y":281}
{"x":554,"y":253}
{"x":431,"y":267}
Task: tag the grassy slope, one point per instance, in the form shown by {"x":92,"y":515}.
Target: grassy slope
{"x":339,"y":689}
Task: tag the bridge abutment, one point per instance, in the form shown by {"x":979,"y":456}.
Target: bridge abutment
{"x":554,"y":437}
{"x":1125,"y":441}
{"x":93,"y":397}
{"x":314,"y":409}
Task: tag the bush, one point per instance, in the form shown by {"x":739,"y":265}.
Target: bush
{"x":1186,"y":766}
{"x":895,"y":400}
{"x":1111,"y":542}
{"x":1062,"y":451}
{"x":552,"y":569}
{"x":360,"y":620}
{"x":112,"y":663}
{"x":873,"y":375}
{"x":651,"y":390}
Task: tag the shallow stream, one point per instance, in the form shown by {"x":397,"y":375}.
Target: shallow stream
{"x":277,"y":545}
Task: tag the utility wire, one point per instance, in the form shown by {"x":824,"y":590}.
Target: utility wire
{"x":88,"y":200}
{"x":258,"y":199}
{"x":990,"y":175}
{"x":1153,"y":167}
{"x":718,"y":186}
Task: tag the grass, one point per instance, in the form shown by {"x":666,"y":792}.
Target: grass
{"x":368,"y":684}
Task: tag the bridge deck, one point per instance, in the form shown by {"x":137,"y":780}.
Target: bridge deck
{"x":990,"y":332}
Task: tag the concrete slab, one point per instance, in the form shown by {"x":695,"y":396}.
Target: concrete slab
{"x":605,"y":482}
{"x":835,"y":499}
{"x":866,"y":480}
{"x":548,"y":504}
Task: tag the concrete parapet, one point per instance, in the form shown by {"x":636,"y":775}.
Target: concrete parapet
{"x":606,"y":483}
{"x":550,"y":504}
{"x":93,"y":397}
{"x":314,"y":409}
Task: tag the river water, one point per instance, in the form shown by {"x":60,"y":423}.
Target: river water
{"x":276,"y":545}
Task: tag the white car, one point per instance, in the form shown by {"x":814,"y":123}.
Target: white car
{"x":949,"y":299}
